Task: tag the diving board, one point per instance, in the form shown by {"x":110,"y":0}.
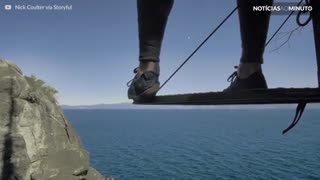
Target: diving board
{"x":262,"y":96}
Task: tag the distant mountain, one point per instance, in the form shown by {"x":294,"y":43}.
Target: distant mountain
{"x":134,"y":106}
{"x":100,"y":106}
{"x":127,"y":106}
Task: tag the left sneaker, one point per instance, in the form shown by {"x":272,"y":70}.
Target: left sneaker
{"x":254,"y":81}
{"x":144,"y":86}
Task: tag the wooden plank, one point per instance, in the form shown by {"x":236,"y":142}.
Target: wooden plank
{"x":269,"y":96}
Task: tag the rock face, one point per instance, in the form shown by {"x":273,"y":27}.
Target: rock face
{"x":36,"y":141}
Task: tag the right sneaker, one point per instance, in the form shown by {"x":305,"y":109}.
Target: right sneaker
{"x":254,"y":81}
{"x":144,"y":86}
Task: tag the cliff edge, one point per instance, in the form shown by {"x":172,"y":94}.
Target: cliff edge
{"x":36,"y":141}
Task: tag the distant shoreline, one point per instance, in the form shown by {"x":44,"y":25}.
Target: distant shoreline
{"x":127,"y":106}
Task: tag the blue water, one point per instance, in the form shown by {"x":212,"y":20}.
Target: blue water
{"x":200,"y":144}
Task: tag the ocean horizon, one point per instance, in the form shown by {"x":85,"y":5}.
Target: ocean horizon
{"x":200,"y":143}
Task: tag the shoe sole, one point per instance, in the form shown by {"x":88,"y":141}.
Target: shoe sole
{"x":146,"y":95}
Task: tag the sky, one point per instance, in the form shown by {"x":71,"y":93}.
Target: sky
{"x":88,"y":54}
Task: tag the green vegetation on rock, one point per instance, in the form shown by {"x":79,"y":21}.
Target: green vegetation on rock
{"x":39,"y":86}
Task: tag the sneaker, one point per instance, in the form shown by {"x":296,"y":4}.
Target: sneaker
{"x":254,"y":81}
{"x":144,"y":86}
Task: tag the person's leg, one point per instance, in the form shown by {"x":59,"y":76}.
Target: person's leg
{"x":254,"y":30}
{"x":152,"y":20}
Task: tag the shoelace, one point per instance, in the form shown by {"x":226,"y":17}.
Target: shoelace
{"x":135,"y":71}
{"x":233,"y":76}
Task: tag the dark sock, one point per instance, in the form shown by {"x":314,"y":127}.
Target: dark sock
{"x":246,"y":69}
{"x":149,"y":66}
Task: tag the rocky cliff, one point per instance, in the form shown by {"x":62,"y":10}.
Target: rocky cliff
{"x":36,"y":141}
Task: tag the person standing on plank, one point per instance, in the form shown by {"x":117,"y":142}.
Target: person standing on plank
{"x":152,"y":20}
